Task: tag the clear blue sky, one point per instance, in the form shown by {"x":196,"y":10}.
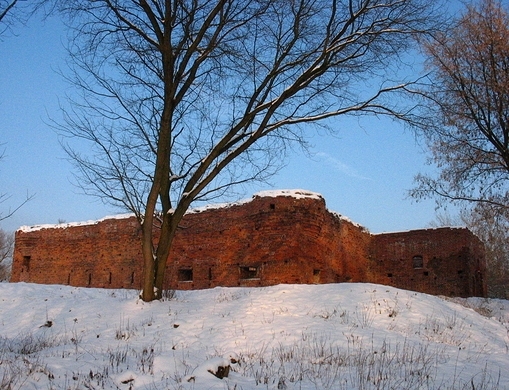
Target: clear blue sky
{"x":363,"y":174}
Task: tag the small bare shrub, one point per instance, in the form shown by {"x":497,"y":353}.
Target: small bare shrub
{"x":168,"y":295}
{"x":30,"y":343}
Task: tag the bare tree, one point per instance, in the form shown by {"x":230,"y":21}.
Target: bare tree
{"x":492,"y":227}
{"x":6,"y":247}
{"x":183,"y":99}
{"x":468,"y":132}
{"x":468,"y":102}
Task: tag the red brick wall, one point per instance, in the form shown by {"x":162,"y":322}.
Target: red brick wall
{"x":266,"y":241}
{"x":105,"y":254}
{"x":445,"y":261}
{"x":287,"y":240}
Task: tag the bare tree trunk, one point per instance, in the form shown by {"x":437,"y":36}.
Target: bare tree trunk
{"x":152,"y":257}
{"x":168,"y":230}
{"x":157,"y":257}
{"x":147,"y":293}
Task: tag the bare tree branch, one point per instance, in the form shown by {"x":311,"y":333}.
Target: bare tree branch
{"x":4,"y":197}
{"x":18,"y":12}
{"x":5,"y":7}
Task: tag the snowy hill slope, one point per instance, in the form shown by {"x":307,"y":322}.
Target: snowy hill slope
{"x":341,"y":336}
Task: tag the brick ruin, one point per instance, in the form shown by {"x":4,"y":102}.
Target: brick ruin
{"x":284,"y":237}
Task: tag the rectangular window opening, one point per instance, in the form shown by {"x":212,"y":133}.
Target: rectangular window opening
{"x":249,"y":272}
{"x":316,"y":276}
{"x":185,"y":275}
{"x":418,"y":262}
{"x":26,"y":263}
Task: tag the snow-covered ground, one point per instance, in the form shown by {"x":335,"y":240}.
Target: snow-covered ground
{"x":338,"y":336}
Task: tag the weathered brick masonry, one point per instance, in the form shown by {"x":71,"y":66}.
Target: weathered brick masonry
{"x":286,"y":237}
{"x":445,"y":261}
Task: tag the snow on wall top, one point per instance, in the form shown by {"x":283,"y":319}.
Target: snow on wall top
{"x":346,"y":219}
{"x":296,"y":193}
{"x":452,"y":227}
{"x":72,"y":224}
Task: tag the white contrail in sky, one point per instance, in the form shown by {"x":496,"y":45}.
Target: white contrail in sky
{"x":340,"y":166}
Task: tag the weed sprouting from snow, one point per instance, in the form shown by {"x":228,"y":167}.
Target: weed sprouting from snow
{"x":328,"y":364}
{"x":146,"y":360}
{"x":226,"y":295}
{"x":446,"y":329}
{"x":329,"y":314}
{"x":125,"y":330}
{"x":365,"y":316}
{"x":118,"y":358}
{"x":30,"y":343}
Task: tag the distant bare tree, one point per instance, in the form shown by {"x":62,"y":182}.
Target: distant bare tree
{"x":468,"y":132}
{"x":468,"y":129}
{"x":492,"y":227}
{"x":6,"y":247}
{"x":184,"y":99}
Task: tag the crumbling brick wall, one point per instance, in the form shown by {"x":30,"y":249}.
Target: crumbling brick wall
{"x":267,"y":241}
{"x":290,"y":238}
{"x":105,"y":254}
{"x":444,"y":261}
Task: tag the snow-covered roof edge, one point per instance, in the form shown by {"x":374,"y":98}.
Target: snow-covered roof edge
{"x":65,"y":225}
{"x":295,"y":193}
{"x":346,"y":219}
{"x":298,"y":194}
{"x":424,"y":228}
